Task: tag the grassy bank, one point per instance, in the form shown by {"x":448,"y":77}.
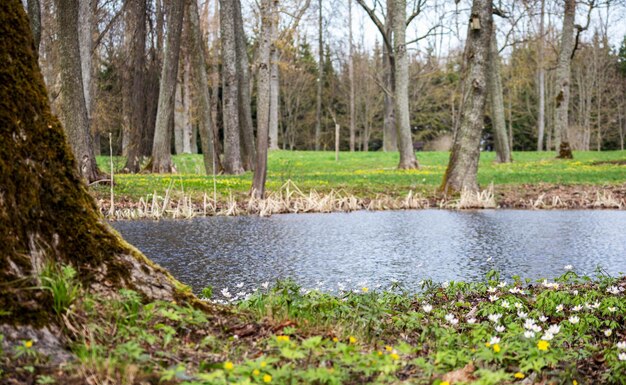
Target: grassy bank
{"x":368,"y":174}
{"x":567,"y":331}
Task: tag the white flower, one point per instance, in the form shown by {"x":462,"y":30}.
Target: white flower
{"x":621,"y":345}
{"x":621,"y":357}
{"x":449,"y":317}
{"x":529,"y":334}
{"x":574,"y":319}
{"x":493,"y":298}
{"x":612,"y":290}
{"x":521,"y":314}
{"x":536,"y":328}
{"x":502,"y":284}
{"x":547,"y":336}
{"x":559,"y":308}
{"x":554,"y":329}
{"x":471,"y":321}
{"x":529,"y":324}
{"x":454,"y":321}
{"x":543,"y":318}
{"x":494,"y":340}
{"x":608,"y":332}
{"x":492,"y":290}
{"x":568,"y":267}
{"x":505,"y":304}
{"x":226,"y":293}
{"x":577,"y":308}
{"x":241,"y":294}
{"x":612,"y":309}
{"x":500,"y":328}
{"x":427,"y":308}
{"x":575,"y":292}
{"x":515,"y":290}
{"x":495,"y":318}
{"x":265,"y":285}
{"x":445,"y":285}
{"x":239,"y":285}
{"x":550,"y":285}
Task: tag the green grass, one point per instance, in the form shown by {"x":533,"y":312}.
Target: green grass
{"x":476,"y":333}
{"x":368,"y":174}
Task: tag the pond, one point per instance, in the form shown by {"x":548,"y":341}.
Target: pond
{"x":373,"y":249}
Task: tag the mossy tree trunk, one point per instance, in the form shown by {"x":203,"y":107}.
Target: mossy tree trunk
{"x":463,"y":165}
{"x":563,"y":73}
{"x":46,"y":213}
{"x":74,"y":112}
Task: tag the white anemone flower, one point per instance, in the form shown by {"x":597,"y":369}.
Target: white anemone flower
{"x":427,"y":308}
{"x":493,"y":298}
{"x":491,"y":290}
{"x":574,"y":319}
{"x":621,"y":356}
{"x":505,"y":304}
{"x":449,"y":317}
{"x":608,"y":332}
{"x":494,"y":340}
{"x":547,"y":336}
{"x":543,"y":318}
{"x":500,"y":328}
{"x":471,"y":321}
{"x":621,"y":345}
{"x":577,"y":308}
{"x":554,"y":329}
{"x":495,"y":318}
{"x":522,"y":315}
{"x":559,"y":308}
{"x":529,"y":334}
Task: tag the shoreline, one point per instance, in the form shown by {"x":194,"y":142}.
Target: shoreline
{"x":294,"y":201}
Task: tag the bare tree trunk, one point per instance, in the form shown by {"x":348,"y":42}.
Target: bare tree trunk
{"x":190,"y":133}
{"x":263,"y":98}
{"x":73,"y":106}
{"x":245,"y":101}
{"x":503,"y":151}
{"x":161,"y":149}
{"x":561,"y":119}
{"x":34,"y":15}
{"x":390,"y":137}
{"x":320,"y":79}
{"x":351,"y":75}
{"x":215,"y":87}
{"x":463,"y":166}
{"x":542,"y":80}
{"x":230,"y":86}
{"x":401,"y":91}
{"x":179,"y":114}
{"x":202,"y":90}
{"x":274,"y":94}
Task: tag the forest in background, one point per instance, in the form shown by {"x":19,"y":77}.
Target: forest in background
{"x":324,"y":74}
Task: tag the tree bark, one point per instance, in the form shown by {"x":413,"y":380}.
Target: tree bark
{"x":161,"y":149}
{"x":563,"y":71}
{"x":263,"y":98}
{"x":230,"y":87}
{"x":351,"y":75}
{"x":503,"y":151}
{"x":541,"y":79}
{"x":390,"y":137}
{"x":274,"y":94}
{"x":46,"y":213}
{"x":401,"y":91}
{"x":34,"y":15}
{"x":245,"y":101}
{"x":73,"y":106}
{"x":463,"y":165}
{"x":202,"y":91}
{"x":320,"y":78}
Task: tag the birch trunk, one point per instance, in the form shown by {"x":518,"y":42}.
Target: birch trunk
{"x":463,"y":166}
{"x":503,"y":151}
{"x":161,"y":149}
{"x":401,"y":91}
{"x":563,"y":70}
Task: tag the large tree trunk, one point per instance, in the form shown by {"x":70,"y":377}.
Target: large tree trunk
{"x":202,"y":90}
{"x":401,"y":91}
{"x":161,"y":149}
{"x":230,"y":87}
{"x":390,"y":137}
{"x":263,"y":98}
{"x":46,"y":213}
{"x":320,"y":78}
{"x":73,"y":106}
{"x":274,"y":95}
{"x":245,"y":101}
{"x":351,"y":75}
{"x":563,"y":70}
{"x":463,"y":166}
{"x":503,"y":151}
{"x":541,"y":79}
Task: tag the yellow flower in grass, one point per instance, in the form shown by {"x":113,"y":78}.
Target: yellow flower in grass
{"x":256,"y":372}
{"x":444,"y":383}
{"x":575,"y":382}
{"x":365,"y":289}
{"x":394,"y":356}
{"x":263,"y":364}
{"x":519,"y":375}
{"x":282,"y":338}
{"x":267,"y":378}
{"x":496,"y":348}
{"x":335,"y":339}
{"x":228,"y":365}
{"x":352,"y":340}
{"x":543,"y":345}
{"x":388,"y":348}
{"x":28,"y":344}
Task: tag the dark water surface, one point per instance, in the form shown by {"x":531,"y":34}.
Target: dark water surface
{"x":374,"y":248}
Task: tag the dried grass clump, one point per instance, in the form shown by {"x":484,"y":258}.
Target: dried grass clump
{"x":474,"y":200}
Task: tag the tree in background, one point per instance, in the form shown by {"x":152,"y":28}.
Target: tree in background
{"x":563,"y":70}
